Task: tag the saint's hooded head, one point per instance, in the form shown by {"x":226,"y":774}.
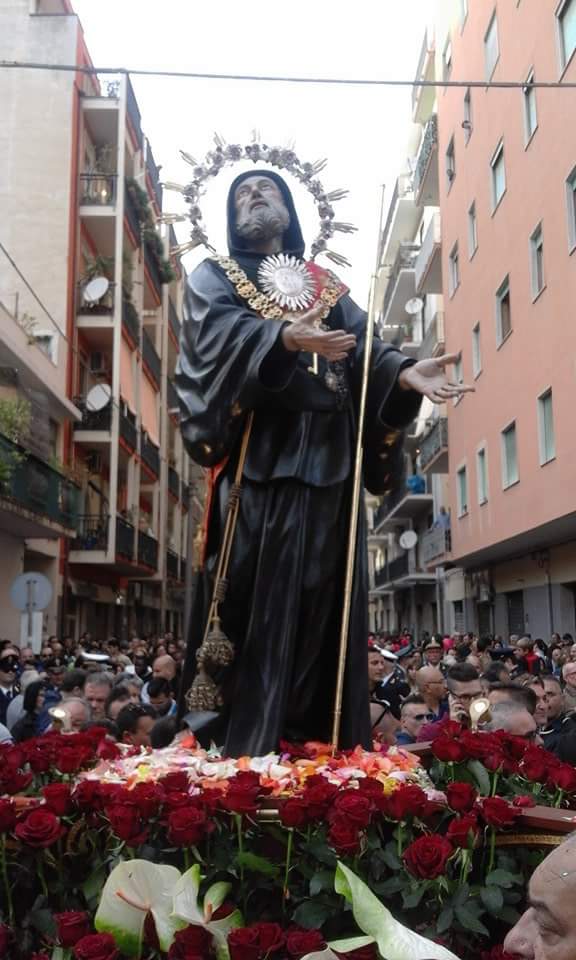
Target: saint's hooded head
{"x":238,"y":242}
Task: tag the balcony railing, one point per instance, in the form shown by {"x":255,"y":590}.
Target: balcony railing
{"x":174,"y":482}
{"x":397,"y":568}
{"x":151,"y":358}
{"x":128,"y":430}
{"x":173,"y":320}
{"x":93,"y":419}
{"x":104,"y":307}
{"x":434,"y":442}
{"x":433,"y":342}
{"x":131,"y":215}
{"x":92,"y":532}
{"x":153,"y":271}
{"x":33,"y":485}
{"x":154,"y":174}
{"x":427,"y":280}
{"x":147,"y":551}
{"x":405,"y":260}
{"x":173,"y":404}
{"x":131,"y":321}
{"x":435,"y":543}
{"x":124,"y":539}
{"x":427,"y":147}
{"x":172,"y":565}
{"x":133,"y":111}
{"x":97,"y":189}
{"x":150,"y":455}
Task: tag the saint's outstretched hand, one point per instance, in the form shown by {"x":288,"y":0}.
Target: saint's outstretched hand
{"x":429,"y":378}
{"x":304,"y":333}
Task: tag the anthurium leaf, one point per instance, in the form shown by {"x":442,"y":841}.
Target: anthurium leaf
{"x":134,"y":888}
{"x":257,"y":864}
{"x":445,"y":920}
{"x":412,"y":898}
{"x":326,"y":954}
{"x":220,"y":930}
{"x":323,"y":880}
{"x":58,"y":953}
{"x":394,"y":941}
{"x":311,"y":914}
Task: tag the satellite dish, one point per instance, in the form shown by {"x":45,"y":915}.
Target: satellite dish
{"x":408,"y":540}
{"x":414,"y":306}
{"x":31,"y":591}
{"x":98,"y":397}
{"x":95,"y":289}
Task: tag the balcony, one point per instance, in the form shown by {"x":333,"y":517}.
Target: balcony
{"x":153,"y":271}
{"x":97,"y":189}
{"x":400,"y":573}
{"x":131,"y":322}
{"x":434,"y":448}
{"x":428,"y":269}
{"x":132,"y":215}
{"x":93,"y":420}
{"x":88,"y":312}
{"x":92,"y":533}
{"x":433,"y":342}
{"x":151,"y":358}
{"x":172,"y":565}
{"x":133,"y":113}
{"x":173,"y":320}
{"x":426,"y":180}
{"x":153,"y":174}
{"x":35,"y":499}
{"x":124,"y":539}
{"x":150,"y":455}
{"x":423,"y":97}
{"x":434,"y":546}
{"x":147,"y":551}
{"x":410,"y":502}
{"x":400,"y":287}
{"x":128,"y":431}
{"x":173,"y":483}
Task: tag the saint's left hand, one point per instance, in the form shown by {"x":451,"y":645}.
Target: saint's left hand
{"x":428,"y":377}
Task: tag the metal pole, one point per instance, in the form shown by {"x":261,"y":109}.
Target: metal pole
{"x":355,"y":502}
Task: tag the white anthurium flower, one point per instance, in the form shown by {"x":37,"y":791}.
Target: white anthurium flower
{"x":185,"y":907}
{"x":342,"y":946}
{"x":134,"y":889}
{"x":394,"y":941}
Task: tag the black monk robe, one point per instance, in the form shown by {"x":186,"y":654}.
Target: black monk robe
{"x":284,"y":603}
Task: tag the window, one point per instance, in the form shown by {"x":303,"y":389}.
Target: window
{"x":509,"y":457}
{"x":482,"y":476}
{"x":450,"y":164}
{"x":567,"y":27}
{"x":571,"y":206}
{"x":458,"y":377}
{"x":537,"y":261}
{"x":462,"y":491}
{"x":467,"y":122}
{"x":476,"y":354}
{"x":454,"y":268}
{"x":530,"y":115}
{"x":491,"y":47}
{"x":472,"y":231}
{"x":503,"y":312}
{"x":546,"y":428}
{"x":447,"y":60}
{"x":47,"y":342}
{"x":498,"y":175}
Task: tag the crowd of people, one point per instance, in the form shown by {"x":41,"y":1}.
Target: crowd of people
{"x":528,"y":687}
{"x":131,"y":688}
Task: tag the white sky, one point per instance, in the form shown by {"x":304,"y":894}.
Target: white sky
{"x":361,"y":130}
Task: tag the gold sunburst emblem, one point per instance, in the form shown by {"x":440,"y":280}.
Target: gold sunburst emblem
{"x":287,"y":281}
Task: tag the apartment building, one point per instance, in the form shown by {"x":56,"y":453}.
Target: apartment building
{"x":504,"y":179}
{"x":81,"y":197}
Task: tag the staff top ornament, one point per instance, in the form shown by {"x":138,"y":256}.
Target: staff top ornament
{"x":283,"y":158}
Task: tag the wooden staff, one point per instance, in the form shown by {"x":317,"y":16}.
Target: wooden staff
{"x":355,"y":505}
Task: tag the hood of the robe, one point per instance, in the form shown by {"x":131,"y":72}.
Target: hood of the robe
{"x":293,"y":240}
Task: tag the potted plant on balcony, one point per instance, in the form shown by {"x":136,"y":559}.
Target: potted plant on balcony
{"x":15,"y":417}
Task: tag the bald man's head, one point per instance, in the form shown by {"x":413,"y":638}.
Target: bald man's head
{"x":165,"y":667}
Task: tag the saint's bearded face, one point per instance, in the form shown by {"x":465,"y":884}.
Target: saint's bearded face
{"x":260,"y":210}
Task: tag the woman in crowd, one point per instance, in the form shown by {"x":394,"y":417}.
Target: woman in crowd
{"x":30,"y":723}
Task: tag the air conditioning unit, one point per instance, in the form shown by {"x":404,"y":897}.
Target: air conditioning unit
{"x":98,"y":362}
{"x":94,"y":462}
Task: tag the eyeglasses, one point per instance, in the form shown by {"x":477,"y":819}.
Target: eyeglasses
{"x":421,"y":717}
{"x":8,"y":663}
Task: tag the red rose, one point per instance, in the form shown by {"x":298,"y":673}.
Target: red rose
{"x":7,"y":816}
{"x":524,"y":801}
{"x":299,"y":942}
{"x":72,"y":926}
{"x":187,"y":826}
{"x":174,"y":800}
{"x":294,"y":812}
{"x":563,"y":777}
{"x":319,"y":794}
{"x":448,"y":750}
{"x":5,"y":937}
{"x":370,"y":787}
{"x":72,"y":759}
{"x":461,"y":797}
{"x":58,"y":797}
{"x":88,"y":795}
{"x":496,"y":953}
{"x":13,"y":781}
{"x":497,"y":812}
{"x":362,"y":953}
{"x":108,"y":750}
{"x":242,"y":794}
{"x":463,"y":831}
{"x":427,"y":856}
{"x":175,"y":782}
{"x":535,"y":764}
{"x":148,"y":797}
{"x":407,"y":801}
{"x":39,"y":829}
{"x":344,"y":836}
{"x":126,"y":823}
{"x":354,"y":807}
{"x":257,"y":942}
{"x":192,"y":943}
{"x":96,"y":946}
{"x":39,"y":956}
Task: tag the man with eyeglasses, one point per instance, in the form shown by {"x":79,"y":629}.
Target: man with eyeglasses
{"x":413,"y":715}
{"x":569,"y":678}
{"x":464,"y":687}
{"x":9,"y":687}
